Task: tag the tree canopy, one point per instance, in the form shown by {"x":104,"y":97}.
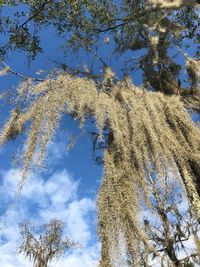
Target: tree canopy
{"x":41,"y":245}
{"x":145,"y":131}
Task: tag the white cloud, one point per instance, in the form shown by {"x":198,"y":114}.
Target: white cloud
{"x":78,"y":259}
{"x":56,"y":151}
{"x":40,"y":201}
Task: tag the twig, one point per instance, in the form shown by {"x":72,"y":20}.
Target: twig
{"x":191,"y":255}
{"x":35,"y":15}
{"x":18,"y":74}
{"x":126,"y":20}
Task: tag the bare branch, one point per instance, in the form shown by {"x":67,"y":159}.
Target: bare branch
{"x":18,"y":74}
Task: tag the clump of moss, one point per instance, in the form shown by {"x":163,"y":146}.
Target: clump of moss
{"x":174,"y":4}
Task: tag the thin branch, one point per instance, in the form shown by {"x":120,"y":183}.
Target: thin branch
{"x":126,"y":20}
{"x":191,"y":255}
{"x":8,"y":44}
{"x":175,"y":242}
{"x":74,"y":71}
{"x":18,"y":74}
{"x":95,"y":133}
{"x":35,"y":15}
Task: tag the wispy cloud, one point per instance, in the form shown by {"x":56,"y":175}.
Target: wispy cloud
{"x":57,"y":150}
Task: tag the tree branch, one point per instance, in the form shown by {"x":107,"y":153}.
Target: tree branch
{"x":126,"y":20}
{"x":191,"y":255}
{"x":18,"y":74}
{"x":35,"y":15}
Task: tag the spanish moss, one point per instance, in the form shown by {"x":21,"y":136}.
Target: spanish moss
{"x":158,"y":140}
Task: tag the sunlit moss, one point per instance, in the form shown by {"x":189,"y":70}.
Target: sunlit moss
{"x":4,"y":71}
{"x":149,"y":134}
{"x":172,"y":4}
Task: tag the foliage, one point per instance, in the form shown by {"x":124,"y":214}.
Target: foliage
{"x":81,"y":23}
{"x":45,"y":243}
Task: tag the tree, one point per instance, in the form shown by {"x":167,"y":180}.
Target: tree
{"x":158,"y":138}
{"x":169,"y":226}
{"x":41,"y":245}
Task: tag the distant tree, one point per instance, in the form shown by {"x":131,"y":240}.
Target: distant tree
{"x":170,"y":225}
{"x":43,"y":244}
{"x":144,"y":130}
